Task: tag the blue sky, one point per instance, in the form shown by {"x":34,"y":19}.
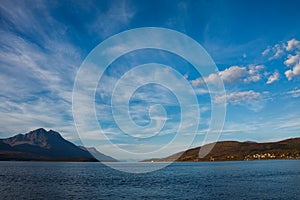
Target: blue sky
{"x":255,"y":45}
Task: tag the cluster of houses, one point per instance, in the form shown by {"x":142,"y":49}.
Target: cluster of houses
{"x":271,"y":156}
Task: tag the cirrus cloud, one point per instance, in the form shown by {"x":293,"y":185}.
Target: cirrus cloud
{"x":250,"y":99}
{"x":294,"y":93}
{"x":240,"y":97}
{"x":275,"y":51}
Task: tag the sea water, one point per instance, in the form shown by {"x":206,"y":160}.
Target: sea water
{"x":270,"y":179}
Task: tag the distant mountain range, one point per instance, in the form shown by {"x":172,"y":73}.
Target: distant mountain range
{"x":42,"y":145}
{"x":232,"y":150}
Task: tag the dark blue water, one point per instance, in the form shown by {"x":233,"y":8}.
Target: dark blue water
{"x":210,"y":180}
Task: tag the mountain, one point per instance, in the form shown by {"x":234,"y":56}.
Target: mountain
{"x":42,"y":145}
{"x":232,"y":150}
{"x":99,"y":156}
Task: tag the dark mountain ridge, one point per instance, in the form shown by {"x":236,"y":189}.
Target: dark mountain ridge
{"x":42,"y":145}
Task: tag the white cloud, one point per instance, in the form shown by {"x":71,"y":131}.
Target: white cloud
{"x":293,"y":61}
{"x":240,"y":97}
{"x":296,"y":69}
{"x":229,"y":75}
{"x":112,"y":21}
{"x":232,"y":74}
{"x":21,"y":117}
{"x":212,"y":78}
{"x":39,"y":62}
{"x":276,"y":51}
{"x":292,"y":44}
{"x":266,"y":51}
{"x":250,"y":99}
{"x":38,"y":72}
{"x":294,"y":93}
{"x":252,"y":73}
{"x":274,"y":77}
{"x":289,"y":74}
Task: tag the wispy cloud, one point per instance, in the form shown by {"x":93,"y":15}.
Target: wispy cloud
{"x":275,"y":51}
{"x":39,"y":65}
{"x":39,"y":61}
{"x":113,"y":20}
{"x":294,"y":93}
{"x":43,"y":44}
{"x":251,"y":99}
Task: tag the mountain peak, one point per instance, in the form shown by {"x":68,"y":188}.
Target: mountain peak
{"x":39,"y":130}
{"x":41,"y":144}
{"x":39,"y":137}
{"x":42,"y":132}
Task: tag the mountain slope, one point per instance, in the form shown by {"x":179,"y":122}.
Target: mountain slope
{"x":99,"y":156}
{"x":232,"y":150}
{"x":41,"y":145}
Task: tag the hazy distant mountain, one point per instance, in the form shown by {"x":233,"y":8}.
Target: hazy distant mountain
{"x":41,"y":145}
{"x":99,"y":156}
{"x":232,"y":150}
